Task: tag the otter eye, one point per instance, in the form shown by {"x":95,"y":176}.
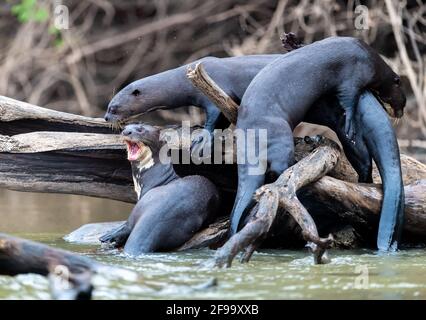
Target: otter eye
{"x":397,"y":81}
{"x":136,"y":92}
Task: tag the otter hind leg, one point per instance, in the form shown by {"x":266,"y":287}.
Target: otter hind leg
{"x":212,"y":117}
{"x":359,"y":157}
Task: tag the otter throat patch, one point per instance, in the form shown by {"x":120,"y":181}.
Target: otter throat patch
{"x":145,"y":162}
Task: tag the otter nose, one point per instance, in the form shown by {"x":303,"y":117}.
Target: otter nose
{"x":107,"y":117}
{"x":127,"y":132}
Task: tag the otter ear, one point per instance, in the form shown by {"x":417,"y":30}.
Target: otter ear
{"x":136,"y":92}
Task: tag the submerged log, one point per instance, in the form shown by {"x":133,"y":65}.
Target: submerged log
{"x":70,"y":274}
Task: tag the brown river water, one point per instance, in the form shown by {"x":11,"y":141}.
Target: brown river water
{"x":271,"y":274}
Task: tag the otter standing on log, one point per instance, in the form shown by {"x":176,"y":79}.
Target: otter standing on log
{"x":335,"y":66}
{"x":170,"y":209}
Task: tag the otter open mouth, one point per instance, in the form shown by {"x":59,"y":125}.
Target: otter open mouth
{"x":135,"y":150}
{"x":388,"y":108}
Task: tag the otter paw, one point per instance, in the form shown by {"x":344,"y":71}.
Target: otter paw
{"x":116,"y":237}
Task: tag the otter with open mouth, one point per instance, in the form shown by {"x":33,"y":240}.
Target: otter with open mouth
{"x":170,"y":209}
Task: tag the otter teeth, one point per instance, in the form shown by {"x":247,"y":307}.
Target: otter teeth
{"x":389,"y":109}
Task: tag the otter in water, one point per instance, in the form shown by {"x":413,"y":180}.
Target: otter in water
{"x":170,"y":209}
{"x":282,"y":94}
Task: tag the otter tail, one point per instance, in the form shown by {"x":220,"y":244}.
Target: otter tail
{"x":383,"y":147}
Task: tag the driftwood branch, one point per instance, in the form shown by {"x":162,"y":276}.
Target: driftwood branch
{"x":21,"y":117}
{"x":283,"y":193}
{"x":201,"y":80}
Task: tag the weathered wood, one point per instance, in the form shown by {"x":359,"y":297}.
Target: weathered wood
{"x":91,"y":232}
{"x":44,"y":141}
{"x":283,"y":193}
{"x":98,"y":173}
{"x":280,"y":193}
{"x":212,"y":236}
{"x":12,"y":110}
{"x":36,"y":157}
{"x":364,"y":200}
{"x":202,"y":81}
{"x":21,"y":117}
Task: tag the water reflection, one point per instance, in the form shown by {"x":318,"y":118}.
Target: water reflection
{"x":23,"y":212}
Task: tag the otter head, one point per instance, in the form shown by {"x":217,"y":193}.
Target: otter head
{"x":135,"y":99}
{"x":143,"y":143}
{"x":389,"y":92}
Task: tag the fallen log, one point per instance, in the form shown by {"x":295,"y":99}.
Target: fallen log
{"x":20,"y":117}
{"x":70,"y":274}
{"x":54,"y":161}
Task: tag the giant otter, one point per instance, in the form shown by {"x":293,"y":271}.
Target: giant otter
{"x":170,"y":209}
{"x":282,"y":93}
{"x":171,"y":89}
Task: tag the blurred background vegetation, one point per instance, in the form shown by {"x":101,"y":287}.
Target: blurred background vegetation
{"x":110,"y":43}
